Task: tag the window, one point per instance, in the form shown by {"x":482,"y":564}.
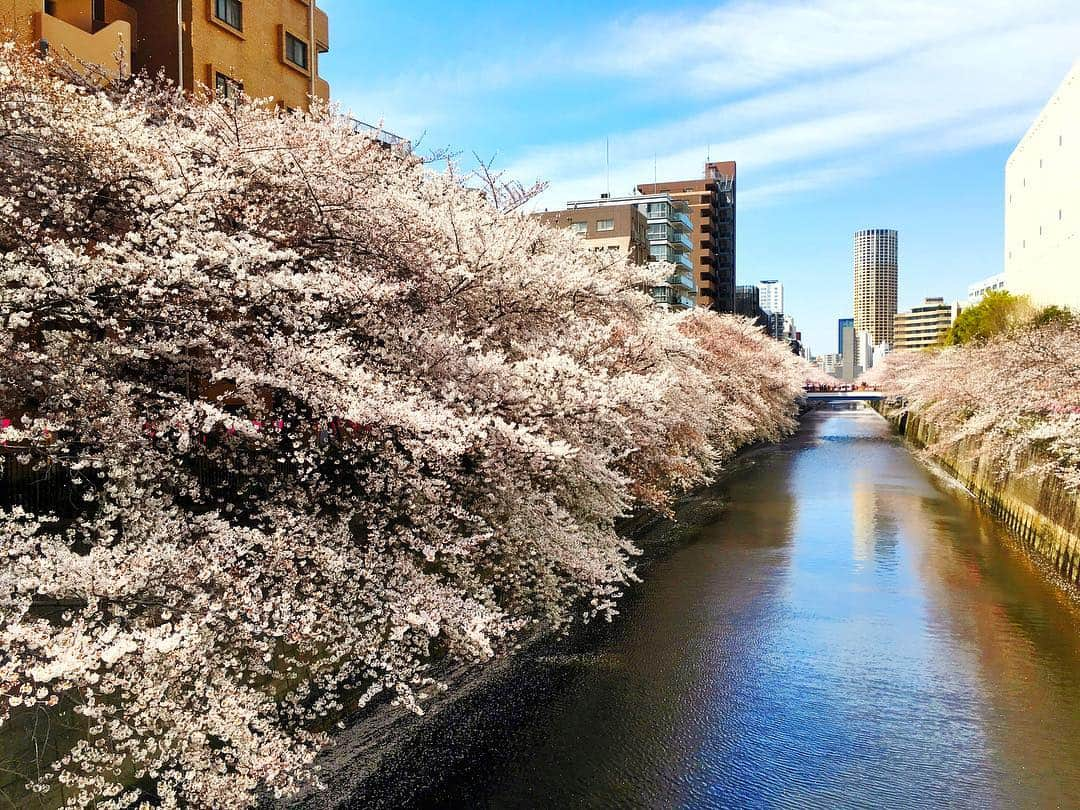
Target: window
{"x":226,"y":86}
{"x":230,"y":12}
{"x":605,"y":225}
{"x":296,"y":50}
{"x":580,"y":228}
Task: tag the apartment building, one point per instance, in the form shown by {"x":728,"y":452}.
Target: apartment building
{"x":830,"y":363}
{"x":665,"y":224}
{"x":267,"y":48}
{"x":876,"y":269}
{"x":1042,"y":203}
{"x":711,"y":200}
{"x":618,"y":228}
{"x":924,"y":325}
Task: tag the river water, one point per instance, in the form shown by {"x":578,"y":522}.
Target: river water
{"x":850,"y":631}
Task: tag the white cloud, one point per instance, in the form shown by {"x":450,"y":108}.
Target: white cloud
{"x":788,"y":89}
{"x":950,"y":85}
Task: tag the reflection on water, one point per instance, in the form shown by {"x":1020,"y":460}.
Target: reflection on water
{"x":850,"y":632}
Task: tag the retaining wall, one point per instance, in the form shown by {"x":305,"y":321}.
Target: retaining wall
{"x":1037,"y":508}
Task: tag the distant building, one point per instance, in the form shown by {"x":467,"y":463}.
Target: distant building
{"x":712,"y":215}
{"x":876,"y":269}
{"x":842,"y":324}
{"x":830,"y":364}
{"x":748,"y":304}
{"x":618,"y":228}
{"x":864,"y":352}
{"x":849,"y":369}
{"x":772,"y":301}
{"x":645,"y":227}
{"x":772,"y":296}
{"x":924,"y":325}
{"x":1042,"y":203}
{"x":980,"y":288}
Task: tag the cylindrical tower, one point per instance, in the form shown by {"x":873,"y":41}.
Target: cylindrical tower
{"x":875,"y":283}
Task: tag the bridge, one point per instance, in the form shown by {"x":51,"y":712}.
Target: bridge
{"x":843,"y":396}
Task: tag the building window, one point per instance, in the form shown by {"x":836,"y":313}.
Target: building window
{"x":230,"y":12}
{"x":226,"y":86}
{"x":580,"y":228}
{"x":296,"y":51}
{"x":605,"y":225}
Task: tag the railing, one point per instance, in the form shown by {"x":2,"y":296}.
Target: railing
{"x":379,"y":134}
{"x":671,"y":297}
{"x":663,"y":253}
{"x":684,"y":280}
{"x":675,"y":238}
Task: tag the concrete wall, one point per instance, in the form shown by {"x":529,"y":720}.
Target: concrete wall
{"x":1042,"y":203}
{"x":1037,"y":509}
{"x":255,"y":56}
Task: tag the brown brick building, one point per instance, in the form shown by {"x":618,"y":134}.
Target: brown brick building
{"x":269,"y":48}
{"x":646,"y":228}
{"x":712,"y":213}
{"x":620,"y":228}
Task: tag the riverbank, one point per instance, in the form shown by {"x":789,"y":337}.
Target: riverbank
{"x":369,"y":764}
{"x":1035,"y":507}
{"x":849,"y":631}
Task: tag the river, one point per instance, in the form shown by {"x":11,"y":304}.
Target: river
{"x":849,"y":631}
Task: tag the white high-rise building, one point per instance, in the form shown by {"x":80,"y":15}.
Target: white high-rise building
{"x":771,"y":299}
{"x":1042,"y":203}
{"x":876,"y":270}
{"x":771,"y":296}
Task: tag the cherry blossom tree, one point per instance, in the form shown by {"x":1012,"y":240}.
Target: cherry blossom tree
{"x":1014,"y":398}
{"x":289,"y":419}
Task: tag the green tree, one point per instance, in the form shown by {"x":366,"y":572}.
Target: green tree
{"x":995,"y":314}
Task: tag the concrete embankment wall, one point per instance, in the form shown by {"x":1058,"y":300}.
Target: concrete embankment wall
{"x":1037,"y":508}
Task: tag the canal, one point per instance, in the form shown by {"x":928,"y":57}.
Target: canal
{"x":850,"y":631}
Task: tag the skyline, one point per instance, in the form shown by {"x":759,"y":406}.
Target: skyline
{"x":839,"y":121}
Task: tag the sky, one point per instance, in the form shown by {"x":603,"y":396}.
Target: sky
{"x":841,"y":115}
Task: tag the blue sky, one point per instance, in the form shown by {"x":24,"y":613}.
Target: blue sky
{"x":841,"y":114}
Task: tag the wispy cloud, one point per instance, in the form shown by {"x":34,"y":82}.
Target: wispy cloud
{"x":792,"y":90}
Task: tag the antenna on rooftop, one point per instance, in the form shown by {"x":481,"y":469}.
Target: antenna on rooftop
{"x":607,"y":156}
{"x":654,"y":181}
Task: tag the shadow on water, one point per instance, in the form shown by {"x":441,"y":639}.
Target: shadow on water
{"x":847,"y":632}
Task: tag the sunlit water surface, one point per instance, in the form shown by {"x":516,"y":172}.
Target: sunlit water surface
{"x":850,"y":632}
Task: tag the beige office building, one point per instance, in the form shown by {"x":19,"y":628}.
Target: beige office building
{"x":1042,"y":203}
{"x":924,"y":325}
{"x":876,"y":270}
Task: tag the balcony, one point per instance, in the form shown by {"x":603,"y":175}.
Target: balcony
{"x":671,"y":297}
{"x":676,"y":239}
{"x":663,"y":253}
{"x":683,"y":280}
{"x":108,"y":48}
{"x":664,"y":213}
